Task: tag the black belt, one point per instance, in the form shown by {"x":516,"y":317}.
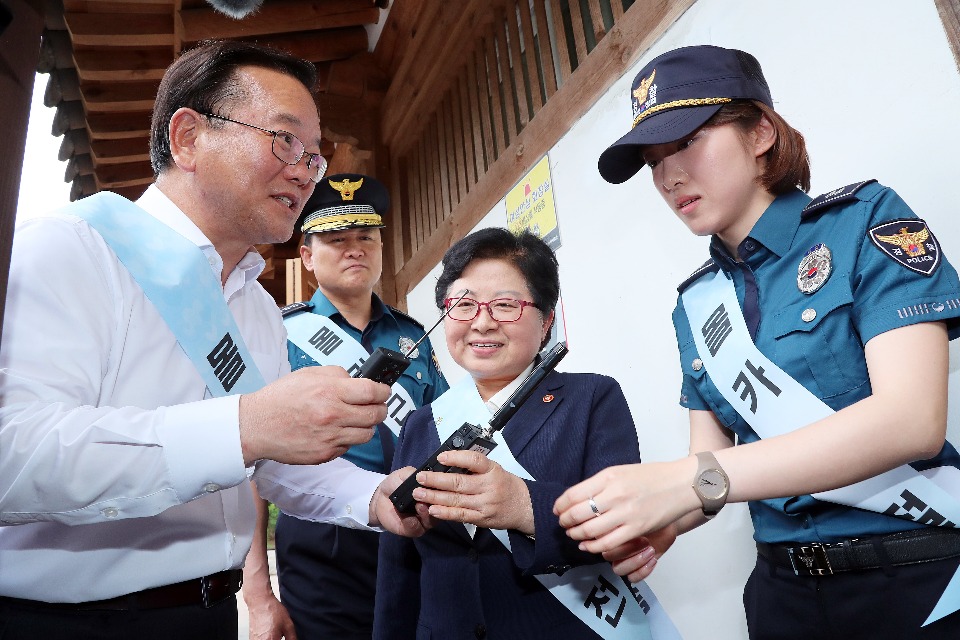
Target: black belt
{"x":824,"y":559}
{"x":206,"y":591}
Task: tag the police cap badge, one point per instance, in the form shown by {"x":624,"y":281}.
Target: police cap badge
{"x":345,"y":201}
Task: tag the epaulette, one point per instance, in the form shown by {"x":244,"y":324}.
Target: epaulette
{"x":707,"y":267}
{"x":397,"y":312}
{"x":290,"y":309}
{"x":831,"y":198}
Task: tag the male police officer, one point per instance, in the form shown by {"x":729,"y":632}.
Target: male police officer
{"x":327,"y":573}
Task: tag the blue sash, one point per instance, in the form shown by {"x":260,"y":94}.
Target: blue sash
{"x":604,"y":601}
{"x":773,"y":403}
{"x":178,"y":281}
{"x":320,"y":338}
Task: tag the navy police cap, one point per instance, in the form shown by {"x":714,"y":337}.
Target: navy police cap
{"x":345,"y":201}
{"x":675,"y":94}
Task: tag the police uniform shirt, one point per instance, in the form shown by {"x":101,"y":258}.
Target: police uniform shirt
{"x":818,"y":338}
{"x":422,"y":379}
{"x":105,"y":421}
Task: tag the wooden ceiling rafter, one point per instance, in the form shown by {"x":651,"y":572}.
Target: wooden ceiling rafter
{"x":105,"y":60}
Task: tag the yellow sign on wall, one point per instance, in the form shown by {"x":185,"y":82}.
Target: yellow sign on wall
{"x":530,"y":205}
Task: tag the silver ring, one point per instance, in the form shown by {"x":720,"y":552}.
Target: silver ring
{"x":594,"y":507}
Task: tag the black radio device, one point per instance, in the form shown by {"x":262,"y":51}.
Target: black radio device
{"x":386,"y":365}
{"x":470,"y":437}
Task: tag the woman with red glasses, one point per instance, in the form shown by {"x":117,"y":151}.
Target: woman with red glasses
{"x":483,"y":570}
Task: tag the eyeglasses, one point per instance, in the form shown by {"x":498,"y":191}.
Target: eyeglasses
{"x":287,"y":148}
{"x":501,"y":309}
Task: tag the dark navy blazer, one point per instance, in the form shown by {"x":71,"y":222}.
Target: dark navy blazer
{"x":447,"y":585}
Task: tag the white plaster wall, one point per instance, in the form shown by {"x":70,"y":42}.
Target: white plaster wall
{"x":874,"y":88}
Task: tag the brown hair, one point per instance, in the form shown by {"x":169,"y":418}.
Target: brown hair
{"x":788,"y":164}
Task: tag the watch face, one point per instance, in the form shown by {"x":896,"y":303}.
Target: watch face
{"x":711,"y":484}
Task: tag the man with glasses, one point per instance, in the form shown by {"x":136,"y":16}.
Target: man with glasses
{"x":328,"y":573}
{"x":144,"y":379}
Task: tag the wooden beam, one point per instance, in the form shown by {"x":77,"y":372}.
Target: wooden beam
{"x":56,"y":51}
{"x":560,"y":34}
{"x":78,"y":165}
{"x":950,"y":17}
{"x":69,"y":116}
{"x":127,"y":124}
{"x":118,"y":96}
{"x":130,"y":193}
{"x":546,"y":49}
{"x":62,"y":84}
{"x":321,"y":46}
{"x":120,"y":150}
{"x":415,"y":88}
{"x":124,"y":175}
{"x":82,"y":187}
{"x":120,"y":30}
{"x":19,"y":53}
{"x":74,"y":142}
{"x":123,"y":65}
{"x":277,"y":16}
{"x":639,"y":28}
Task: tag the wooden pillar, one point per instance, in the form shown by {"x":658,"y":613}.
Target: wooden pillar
{"x":19,"y":54}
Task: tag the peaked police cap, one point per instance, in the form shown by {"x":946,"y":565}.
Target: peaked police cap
{"x":675,"y":94}
{"x":345,"y":201}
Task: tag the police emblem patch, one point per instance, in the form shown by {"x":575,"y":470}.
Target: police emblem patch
{"x":405,"y":344}
{"x":814,"y":269}
{"x":909,"y":242}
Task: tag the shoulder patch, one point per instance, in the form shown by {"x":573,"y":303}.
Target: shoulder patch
{"x":909,"y":242}
{"x":707,"y":267}
{"x":290,"y":309}
{"x":831,"y":198}
{"x":397,"y":312}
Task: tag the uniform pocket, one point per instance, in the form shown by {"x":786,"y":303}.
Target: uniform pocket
{"x":817,"y":341}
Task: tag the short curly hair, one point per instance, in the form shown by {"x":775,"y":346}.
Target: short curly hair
{"x":528,"y":253}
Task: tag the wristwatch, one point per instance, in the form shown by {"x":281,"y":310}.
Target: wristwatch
{"x":711,"y":484}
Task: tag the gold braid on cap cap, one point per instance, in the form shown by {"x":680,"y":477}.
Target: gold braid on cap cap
{"x":334,"y":218}
{"x":692,"y":102}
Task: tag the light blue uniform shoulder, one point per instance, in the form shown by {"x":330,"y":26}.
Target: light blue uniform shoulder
{"x":862,"y":191}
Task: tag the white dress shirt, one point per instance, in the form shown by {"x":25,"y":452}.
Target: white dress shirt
{"x":117,"y":467}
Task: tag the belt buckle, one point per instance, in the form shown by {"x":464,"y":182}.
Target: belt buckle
{"x":811,"y":559}
{"x":216,"y":588}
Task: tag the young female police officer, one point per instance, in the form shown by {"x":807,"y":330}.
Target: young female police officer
{"x":816,"y":336}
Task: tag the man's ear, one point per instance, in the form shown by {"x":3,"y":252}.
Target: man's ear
{"x":306,"y":253}
{"x":185,"y":128}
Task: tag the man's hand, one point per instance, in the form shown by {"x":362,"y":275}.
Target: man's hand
{"x":310,"y":416}
{"x":269,"y":619}
{"x":384,"y":515}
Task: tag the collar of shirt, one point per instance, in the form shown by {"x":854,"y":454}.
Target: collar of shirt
{"x":500,"y":397}
{"x":775,"y":229}
{"x":323,"y":306}
{"x":157,"y":204}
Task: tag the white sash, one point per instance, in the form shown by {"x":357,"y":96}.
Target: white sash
{"x":177,"y":279}
{"x":321,"y":339}
{"x":604,"y":601}
{"x":773,"y":403}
